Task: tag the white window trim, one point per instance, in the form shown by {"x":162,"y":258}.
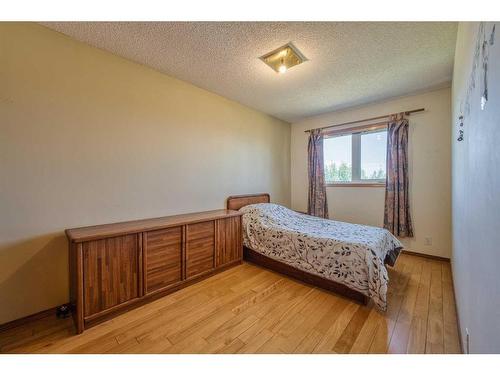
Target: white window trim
{"x":356,"y":163}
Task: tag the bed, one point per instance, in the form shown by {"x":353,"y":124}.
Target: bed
{"x":348,"y":259}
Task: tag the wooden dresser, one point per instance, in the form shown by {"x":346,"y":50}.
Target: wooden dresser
{"x":115,"y":267}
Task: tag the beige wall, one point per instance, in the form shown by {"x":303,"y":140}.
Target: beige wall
{"x":429,"y":159}
{"x":476,"y":187}
{"x":87,"y":137}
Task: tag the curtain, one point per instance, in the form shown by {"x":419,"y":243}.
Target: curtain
{"x":397,"y":203}
{"x":316,"y":205}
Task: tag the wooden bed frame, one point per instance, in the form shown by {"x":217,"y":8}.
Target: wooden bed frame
{"x":235,"y":202}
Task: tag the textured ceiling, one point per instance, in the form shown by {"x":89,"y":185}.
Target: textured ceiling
{"x":350,"y":63}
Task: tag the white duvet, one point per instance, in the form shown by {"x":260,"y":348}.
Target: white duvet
{"x":349,"y":254}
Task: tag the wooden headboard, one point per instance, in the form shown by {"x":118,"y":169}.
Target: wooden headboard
{"x":235,"y":202}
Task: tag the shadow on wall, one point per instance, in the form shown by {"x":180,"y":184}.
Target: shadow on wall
{"x":33,"y":276}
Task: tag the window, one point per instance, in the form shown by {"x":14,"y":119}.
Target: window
{"x":337,"y":152}
{"x":357,"y":158}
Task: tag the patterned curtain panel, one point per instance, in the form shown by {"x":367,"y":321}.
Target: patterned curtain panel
{"x":397,"y":201}
{"x":317,"y":205}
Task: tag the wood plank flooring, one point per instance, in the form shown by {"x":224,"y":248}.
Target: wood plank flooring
{"x":248,"y":309}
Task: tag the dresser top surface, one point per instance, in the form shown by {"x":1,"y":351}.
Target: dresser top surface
{"x":109,"y":230}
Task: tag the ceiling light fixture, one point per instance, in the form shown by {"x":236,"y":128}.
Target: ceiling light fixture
{"x":283,"y":58}
{"x":282,"y":69}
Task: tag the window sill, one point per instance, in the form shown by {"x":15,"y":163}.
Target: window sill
{"x":357,"y":184}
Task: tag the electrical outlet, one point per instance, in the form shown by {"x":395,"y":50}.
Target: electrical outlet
{"x":428,"y":241}
{"x":467,"y":341}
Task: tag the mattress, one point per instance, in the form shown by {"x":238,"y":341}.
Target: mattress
{"x":350,"y":254}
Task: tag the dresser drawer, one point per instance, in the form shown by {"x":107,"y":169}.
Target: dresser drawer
{"x":162,"y":251}
{"x":200,"y":248}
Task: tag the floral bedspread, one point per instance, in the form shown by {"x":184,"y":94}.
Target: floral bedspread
{"x":349,"y":254}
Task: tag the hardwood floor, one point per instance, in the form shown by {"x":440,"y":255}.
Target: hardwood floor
{"x":248,"y":309}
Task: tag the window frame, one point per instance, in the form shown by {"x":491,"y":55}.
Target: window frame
{"x":356,"y":134}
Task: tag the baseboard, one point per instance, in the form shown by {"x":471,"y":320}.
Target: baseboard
{"x":442,"y":259}
{"x":27,"y":319}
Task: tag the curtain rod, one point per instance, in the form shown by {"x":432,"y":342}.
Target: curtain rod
{"x":407,"y":113}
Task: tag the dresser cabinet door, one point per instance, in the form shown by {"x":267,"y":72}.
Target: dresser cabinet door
{"x":163,"y":258}
{"x":110,"y":272}
{"x":200,"y":248}
{"x":229,"y":241}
